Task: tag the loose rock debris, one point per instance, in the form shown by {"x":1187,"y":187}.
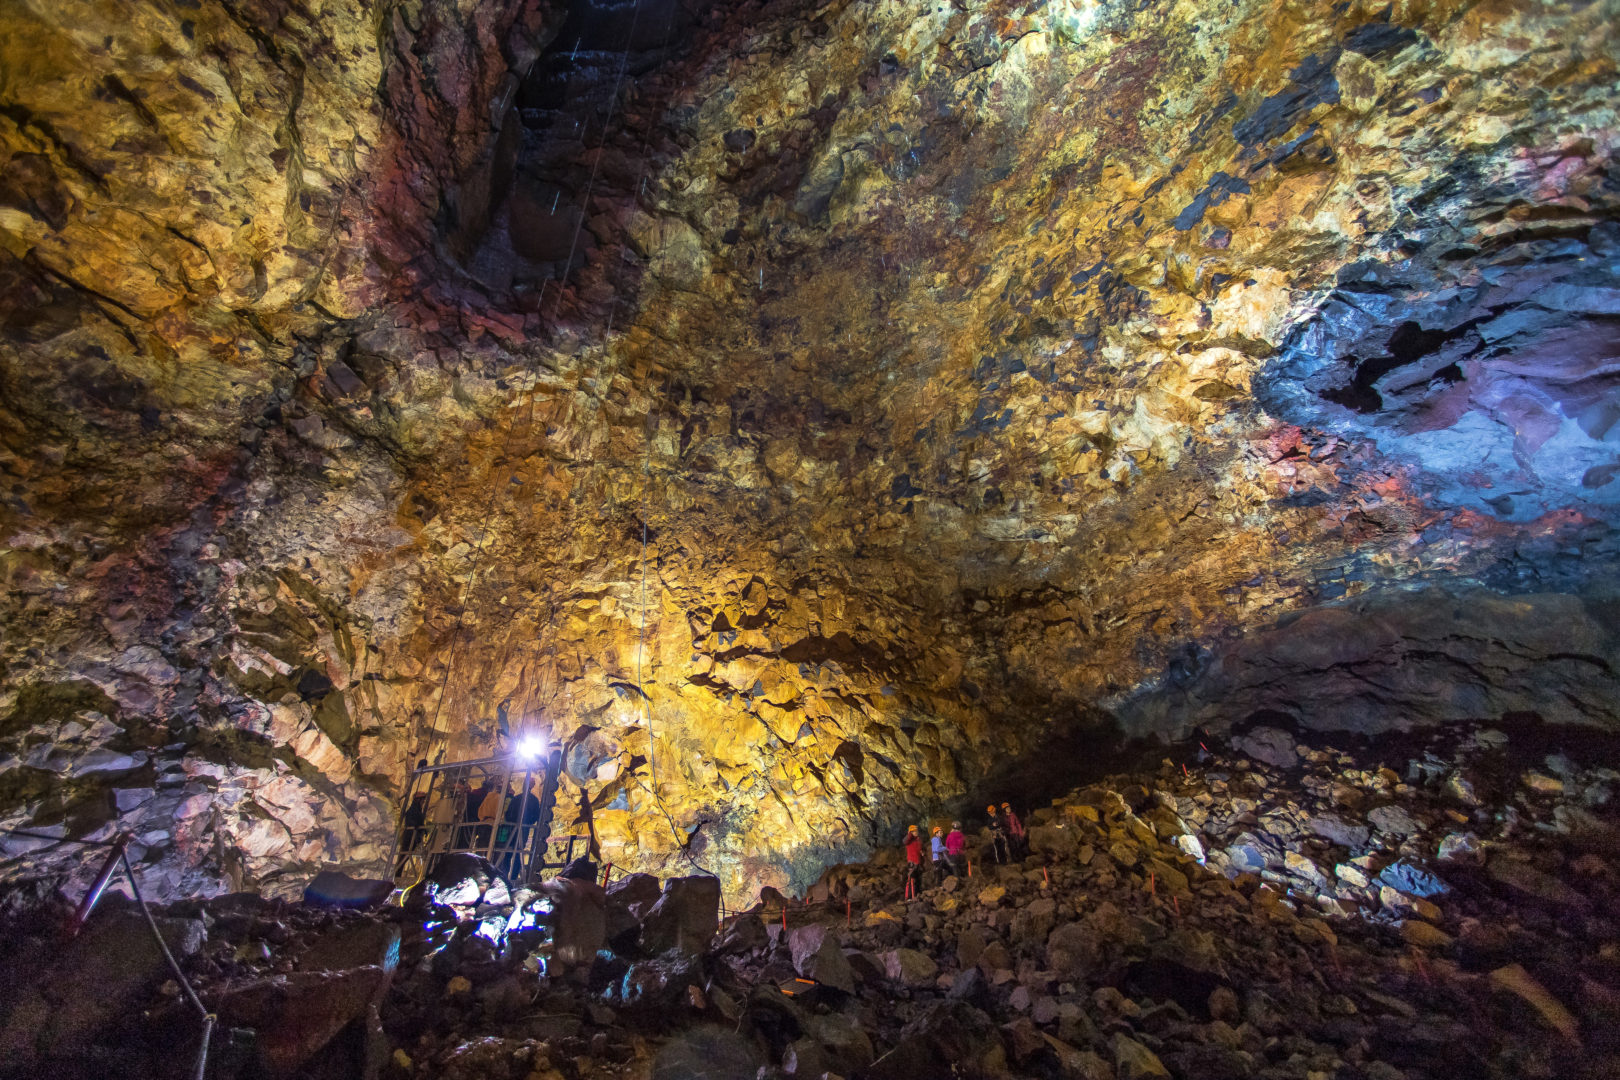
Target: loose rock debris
{"x":1338,"y":918}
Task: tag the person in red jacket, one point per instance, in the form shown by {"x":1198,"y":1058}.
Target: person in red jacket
{"x":913,"y":861}
{"x":1017,"y":836}
{"x":955,"y":845}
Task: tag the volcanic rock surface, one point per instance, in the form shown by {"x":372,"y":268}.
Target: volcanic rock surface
{"x":803,"y":414}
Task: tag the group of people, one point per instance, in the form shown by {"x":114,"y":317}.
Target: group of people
{"x":459,"y":817}
{"x":947,"y":852}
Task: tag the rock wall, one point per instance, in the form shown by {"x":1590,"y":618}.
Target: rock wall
{"x":918,"y":382}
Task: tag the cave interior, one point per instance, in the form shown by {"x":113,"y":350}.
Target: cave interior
{"x":1195,"y":425}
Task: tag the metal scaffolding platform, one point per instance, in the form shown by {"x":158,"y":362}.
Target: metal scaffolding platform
{"x":497,"y":807}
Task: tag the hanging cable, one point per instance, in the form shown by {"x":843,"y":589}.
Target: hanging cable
{"x":573,"y":245}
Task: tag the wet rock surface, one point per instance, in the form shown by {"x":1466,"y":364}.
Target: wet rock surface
{"x":1283,"y":954}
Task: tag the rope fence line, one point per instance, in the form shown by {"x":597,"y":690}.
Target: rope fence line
{"x":117,"y":860}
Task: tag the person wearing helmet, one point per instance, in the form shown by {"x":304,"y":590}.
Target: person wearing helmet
{"x":913,"y":862}
{"x":937,"y":866}
{"x":955,"y":846}
{"x":1017,"y":835}
{"x":998,"y":836}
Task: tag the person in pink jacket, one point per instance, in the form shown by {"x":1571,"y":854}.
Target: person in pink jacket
{"x":955,"y":845}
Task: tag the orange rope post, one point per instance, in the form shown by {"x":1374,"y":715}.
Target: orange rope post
{"x":846,"y":914}
{"x":607,"y":871}
{"x":1047,"y":876}
{"x":1151,"y":890}
{"x":970,"y":868}
{"x":1177,"y":901}
{"x":784,"y":915}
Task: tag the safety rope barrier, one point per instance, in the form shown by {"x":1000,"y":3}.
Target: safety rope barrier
{"x":121,"y":858}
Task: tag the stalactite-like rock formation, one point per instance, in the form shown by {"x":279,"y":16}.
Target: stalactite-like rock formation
{"x":800,"y":413}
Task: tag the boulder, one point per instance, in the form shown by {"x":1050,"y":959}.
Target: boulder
{"x":951,"y":1038}
{"x":745,"y":933}
{"x":57,"y":1002}
{"x":685,"y":917}
{"x":1053,"y":839}
{"x":330,"y":888}
{"x":659,"y":985}
{"x":1336,"y":830}
{"x":1133,"y":1061}
{"x":847,"y":1045}
{"x":910,"y":967}
{"x":295,"y":1017}
{"x":629,"y":899}
{"x":817,"y":955}
{"x":969,"y":947}
{"x":1034,"y":922}
{"x":1394,"y":820}
{"x":1412,"y":879}
{"x":1460,"y":847}
{"x":366,"y":944}
{"x":578,"y":920}
{"x":1270,"y":745}
{"x":463,"y":879}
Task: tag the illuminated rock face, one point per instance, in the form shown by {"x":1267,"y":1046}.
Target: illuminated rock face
{"x":930,"y":386}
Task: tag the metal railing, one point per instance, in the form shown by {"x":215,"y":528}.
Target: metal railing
{"x":499,"y":808}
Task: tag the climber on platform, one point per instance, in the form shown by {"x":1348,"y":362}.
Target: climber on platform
{"x":414,"y":822}
{"x":913,"y":862}
{"x":955,"y":845}
{"x":938,"y":865}
{"x":998,"y":837}
{"x":489,"y":812}
{"x":522,"y":814}
{"x":1017,"y":835}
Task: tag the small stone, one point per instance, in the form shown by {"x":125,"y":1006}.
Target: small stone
{"x":1135,"y":1061}
{"x":1459,"y":788}
{"x":992,"y":896}
{"x":1460,"y":847}
{"x":1351,"y":875}
{"x":1223,"y":1004}
{"x":458,"y":984}
{"x":1393,"y":820}
{"x":1514,"y":979}
{"x":1423,"y":935}
{"x":1543,"y":784}
{"x":910,"y":967}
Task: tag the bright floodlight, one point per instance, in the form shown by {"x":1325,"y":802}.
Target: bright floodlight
{"x":530,"y":747}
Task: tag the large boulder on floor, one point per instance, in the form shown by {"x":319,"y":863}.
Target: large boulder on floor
{"x":910,"y":967}
{"x":1271,"y":745}
{"x":57,"y":1002}
{"x":952,"y":1038}
{"x":660,"y":986}
{"x":295,"y":1017}
{"x":365,"y":944}
{"x":817,"y":955}
{"x":628,"y":901}
{"x":685,"y":917}
{"x":848,"y":1047}
{"x":330,"y":888}
{"x":462,"y":880}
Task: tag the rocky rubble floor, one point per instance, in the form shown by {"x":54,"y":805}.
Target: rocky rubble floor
{"x":1443,"y":907}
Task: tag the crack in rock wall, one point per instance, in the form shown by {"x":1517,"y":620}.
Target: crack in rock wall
{"x":925,"y":381}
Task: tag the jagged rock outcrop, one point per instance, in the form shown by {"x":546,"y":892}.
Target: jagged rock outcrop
{"x":797,"y":412}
